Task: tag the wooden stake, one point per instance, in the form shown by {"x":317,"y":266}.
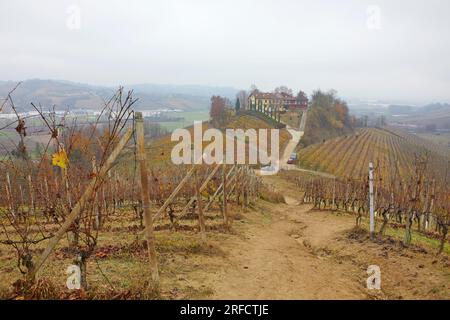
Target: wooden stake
{"x":22,"y":201}
{"x":333,"y":205}
{"x":9,"y":193}
{"x":224,"y":194}
{"x":243,"y":186}
{"x":201,"y":218}
{"x":47,"y":195}
{"x":371,"y":202}
{"x":97,"y":217}
{"x":148,"y":219}
{"x":30,"y":187}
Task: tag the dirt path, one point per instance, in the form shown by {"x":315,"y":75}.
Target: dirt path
{"x":276,"y":262}
{"x":288,"y":251}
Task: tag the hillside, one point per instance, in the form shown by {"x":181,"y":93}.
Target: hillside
{"x":349,"y":155}
{"x":437,"y":114}
{"x":328,"y":117}
{"x":66,"y":94}
{"x":159,"y":150}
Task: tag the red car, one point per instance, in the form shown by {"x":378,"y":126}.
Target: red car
{"x":292,"y":158}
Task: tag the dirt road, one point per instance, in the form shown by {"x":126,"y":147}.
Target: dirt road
{"x":276,"y":260}
{"x":276,"y":263}
{"x":290,"y":252}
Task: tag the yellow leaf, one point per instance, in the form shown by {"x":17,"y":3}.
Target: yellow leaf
{"x":205,"y":194}
{"x":60,"y":159}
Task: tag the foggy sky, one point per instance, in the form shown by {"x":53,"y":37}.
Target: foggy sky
{"x":303,"y":44}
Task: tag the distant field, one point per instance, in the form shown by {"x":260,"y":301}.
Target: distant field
{"x":442,"y":139}
{"x":189,"y":118}
{"x":9,"y":137}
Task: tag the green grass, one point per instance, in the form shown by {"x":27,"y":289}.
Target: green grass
{"x":189,"y":118}
{"x":417,"y":238}
{"x":292,"y":118}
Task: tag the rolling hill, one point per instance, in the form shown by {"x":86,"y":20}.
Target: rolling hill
{"x":436,"y":114}
{"x":392,"y":150}
{"x":66,"y":94}
{"x":159,"y":149}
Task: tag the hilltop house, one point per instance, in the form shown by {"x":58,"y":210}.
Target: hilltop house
{"x":282,"y":102}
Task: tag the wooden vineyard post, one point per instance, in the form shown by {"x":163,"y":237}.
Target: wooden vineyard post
{"x":347,"y":194}
{"x":224,"y":194}
{"x":198,"y":195}
{"x":333,"y":205}
{"x":47,"y":194}
{"x":116,"y":204}
{"x":30,"y":187}
{"x":76,"y":210}
{"x":371,"y":204}
{"x":110,"y":189}
{"x":252,"y":189}
{"x":9,"y":194}
{"x":22,"y":200}
{"x":248,"y":187}
{"x":244,"y":186}
{"x":240,"y":189}
{"x":73,"y":236}
{"x":431,"y":208}
{"x":148,"y":219}
{"x":97,"y":217}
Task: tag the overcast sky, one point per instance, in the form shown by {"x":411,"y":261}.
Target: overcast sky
{"x":368,"y":49}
